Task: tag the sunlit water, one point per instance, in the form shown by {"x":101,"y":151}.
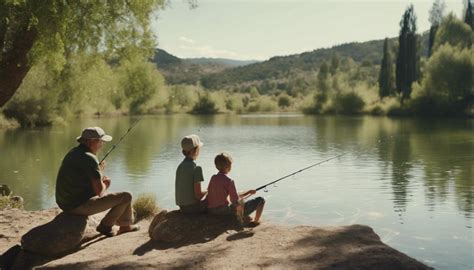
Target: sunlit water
{"x":410,"y":180}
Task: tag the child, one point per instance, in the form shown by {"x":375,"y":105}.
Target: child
{"x":189,"y":177}
{"x":221,"y":187}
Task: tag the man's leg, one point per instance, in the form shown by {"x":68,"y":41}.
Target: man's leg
{"x":119,"y":203}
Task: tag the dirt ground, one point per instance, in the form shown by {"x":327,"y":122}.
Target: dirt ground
{"x":265,"y":246}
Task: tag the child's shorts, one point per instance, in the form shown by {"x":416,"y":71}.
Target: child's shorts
{"x":249,"y":208}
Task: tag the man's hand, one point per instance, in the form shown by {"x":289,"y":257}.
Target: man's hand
{"x":102,"y":165}
{"x":106,"y":181}
{"x":252,"y":191}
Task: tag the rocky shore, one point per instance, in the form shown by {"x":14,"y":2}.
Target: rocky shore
{"x":212,"y":245}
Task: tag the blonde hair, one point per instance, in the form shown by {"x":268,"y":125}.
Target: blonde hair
{"x":222,"y":161}
{"x":188,"y":153}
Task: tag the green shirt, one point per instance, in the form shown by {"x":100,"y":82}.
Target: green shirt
{"x":73,"y":184}
{"x":187,"y":174}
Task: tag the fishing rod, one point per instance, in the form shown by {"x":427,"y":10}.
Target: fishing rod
{"x":291,"y":174}
{"x":121,"y":138}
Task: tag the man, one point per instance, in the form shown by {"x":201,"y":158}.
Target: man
{"x":81,"y":186}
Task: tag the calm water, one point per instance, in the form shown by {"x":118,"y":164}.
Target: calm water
{"x":411,"y":180}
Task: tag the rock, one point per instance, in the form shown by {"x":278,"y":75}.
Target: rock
{"x":8,"y":258}
{"x":5,"y":190}
{"x":59,"y":236}
{"x":171,"y":227}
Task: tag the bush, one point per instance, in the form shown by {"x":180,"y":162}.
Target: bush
{"x":284,"y":101}
{"x":398,"y":110}
{"x":35,"y":102}
{"x":234,"y":103}
{"x":205,"y":105}
{"x":454,"y":32}
{"x":145,"y":206}
{"x":262,"y":104}
{"x":7,"y":123}
{"x":348,"y":103}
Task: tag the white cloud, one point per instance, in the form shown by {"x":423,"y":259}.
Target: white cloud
{"x":209,"y":51}
{"x":187,"y":40}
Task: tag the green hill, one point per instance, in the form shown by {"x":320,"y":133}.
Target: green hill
{"x":282,"y":66}
{"x":190,"y":71}
{"x":215,"y":73}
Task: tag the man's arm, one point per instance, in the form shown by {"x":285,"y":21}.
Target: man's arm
{"x":198,"y":193}
{"x":100,"y":186}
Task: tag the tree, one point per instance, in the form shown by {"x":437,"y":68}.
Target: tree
{"x":436,"y":17}
{"x":386,"y":84}
{"x":454,"y":32}
{"x":323,"y":75}
{"x":334,"y":63}
{"x":35,"y":31}
{"x":407,"y":58}
{"x":450,"y":74}
{"x":468,"y":19}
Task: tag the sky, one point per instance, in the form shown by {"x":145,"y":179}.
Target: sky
{"x":260,"y":29}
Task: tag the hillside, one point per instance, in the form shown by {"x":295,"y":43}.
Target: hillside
{"x":220,"y":61}
{"x":281,"y":66}
{"x":190,"y":71}
{"x":217,"y":73}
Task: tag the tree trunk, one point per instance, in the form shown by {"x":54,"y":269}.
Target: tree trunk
{"x":14,"y":65}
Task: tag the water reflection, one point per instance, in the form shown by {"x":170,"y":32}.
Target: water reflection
{"x":442,"y":149}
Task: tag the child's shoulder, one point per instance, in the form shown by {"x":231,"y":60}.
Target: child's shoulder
{"x":221,"y":177}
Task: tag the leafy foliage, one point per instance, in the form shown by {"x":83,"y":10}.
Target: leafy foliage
{"x":205,"y":105}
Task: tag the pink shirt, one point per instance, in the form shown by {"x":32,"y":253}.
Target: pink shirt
{"x":219,"y":188}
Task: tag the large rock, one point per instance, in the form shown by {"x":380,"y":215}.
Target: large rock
{"x":171,"y":227}
{"x":59,"y":236}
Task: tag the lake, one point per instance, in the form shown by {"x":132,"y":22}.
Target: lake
{"x":412,"y":180}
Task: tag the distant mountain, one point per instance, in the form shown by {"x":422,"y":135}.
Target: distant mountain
{"x":216,"y":73}
{"x":220,"y":61}
{"x":190,"y":71}
{"x":163,"y":59}
{"x":280,"y":66}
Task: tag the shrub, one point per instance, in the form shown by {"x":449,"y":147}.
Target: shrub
{"x":7,"y":123}
{"x":145,"y":206}
{"x":284,"y":101}
{"x":34,"y":104}
{"x":262,"y":104}
{"x":348,"y":103}
{"x":205,"y":105}
{"x":234,"y":103}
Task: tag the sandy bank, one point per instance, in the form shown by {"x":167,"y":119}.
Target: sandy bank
{"x":266,"y":246}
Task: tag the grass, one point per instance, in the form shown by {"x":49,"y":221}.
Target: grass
{"x":8,"y":202}
{"x":145,"y":206}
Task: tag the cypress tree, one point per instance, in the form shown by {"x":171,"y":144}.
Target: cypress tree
{"x":436,"y":17}
{"x":407,"y":58}
{"x":468,"y":18}
{"x":386,"y":73}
